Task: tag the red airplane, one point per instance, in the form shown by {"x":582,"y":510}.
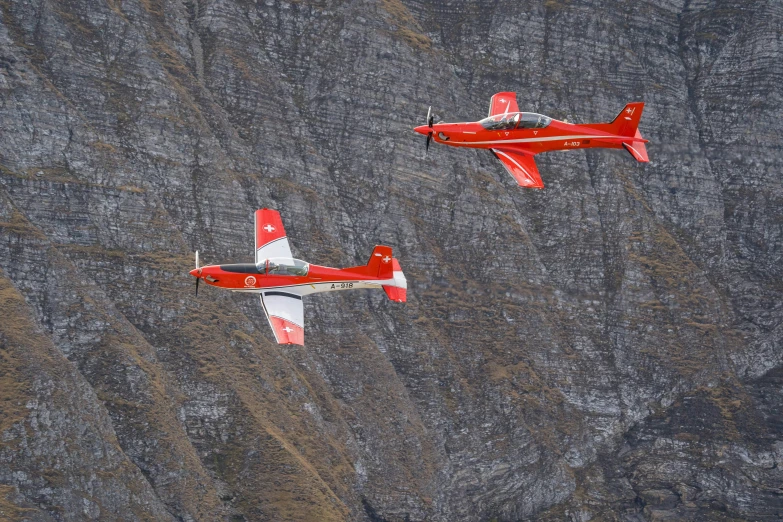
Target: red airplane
{"x":515,"y":137}
{"x":281,"y":281}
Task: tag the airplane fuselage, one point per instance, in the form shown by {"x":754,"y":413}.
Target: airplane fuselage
{"x":281,"y":281}
{"x":515,"y":137}
{"x":558,"y":135}
{"x":247,"y":277}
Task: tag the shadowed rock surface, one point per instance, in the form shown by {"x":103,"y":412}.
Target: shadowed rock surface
{"x":608,"y":348}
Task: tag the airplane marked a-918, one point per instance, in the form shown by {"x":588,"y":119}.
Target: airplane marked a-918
{"x":515,"y":137}
{"x":281,"y":280}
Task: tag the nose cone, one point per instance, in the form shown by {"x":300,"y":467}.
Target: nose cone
{"x":196,"y":272}
{"x":422,"y":129}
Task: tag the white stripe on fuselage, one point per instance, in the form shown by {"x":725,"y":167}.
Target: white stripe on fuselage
{"x":531,"y":140}
{"x":598,"y":137}
{"x":328,"y":286}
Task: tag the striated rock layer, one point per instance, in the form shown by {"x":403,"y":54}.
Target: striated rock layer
{"x":608,"y":348}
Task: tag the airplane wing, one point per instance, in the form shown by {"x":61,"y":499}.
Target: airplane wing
{"x":285,"y":312}
{"x":503,"y":102}
{"x":271,"y":240}
{"x":521,"y":165}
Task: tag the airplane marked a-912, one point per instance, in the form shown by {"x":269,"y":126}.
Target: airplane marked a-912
{"x":282,"y":281}
{"x":515,"y":137}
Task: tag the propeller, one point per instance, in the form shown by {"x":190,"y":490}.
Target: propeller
{"x":198,"y":278}
{"x":430,"y":118}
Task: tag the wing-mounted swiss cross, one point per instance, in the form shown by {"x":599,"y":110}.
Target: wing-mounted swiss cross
{"x":286,"y":316}
{"x":502,"y":103}
{"x":271,"y":240}
{"x":515,"y":137}
{"x":282,"y":281}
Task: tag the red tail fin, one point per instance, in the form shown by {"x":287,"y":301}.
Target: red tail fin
{"x":626,"y":123}
{"x":380,"y":263}
{"x":386,"y":268}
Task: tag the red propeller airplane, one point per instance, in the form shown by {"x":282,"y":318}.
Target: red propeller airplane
{"x":282,"y":281}
{"x":515,"y":137}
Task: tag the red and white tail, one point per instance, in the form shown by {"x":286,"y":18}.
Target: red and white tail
{"x":380,"y":263}
{"x":386,"y":268}
{"x":627,"y":124}
{"x":398,"y":290}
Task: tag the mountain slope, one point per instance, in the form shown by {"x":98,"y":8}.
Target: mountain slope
{"x":595,"y":350}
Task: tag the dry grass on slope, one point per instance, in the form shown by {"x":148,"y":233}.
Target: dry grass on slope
{"x":17,"y":332}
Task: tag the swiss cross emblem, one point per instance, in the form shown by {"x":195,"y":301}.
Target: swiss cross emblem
{"x":630,"y":110}
{"x":386,"y":259}
{"x":288,"y":329}
{"x":269,"y":228}
{"x":502,"y":100}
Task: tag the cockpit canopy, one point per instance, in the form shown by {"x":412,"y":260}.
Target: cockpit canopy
{"x":283,"y":266}
{"x":516,"y":120}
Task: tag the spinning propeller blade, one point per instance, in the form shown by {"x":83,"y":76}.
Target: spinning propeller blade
{"x":197,"y":278}
{"x":430,"y":118}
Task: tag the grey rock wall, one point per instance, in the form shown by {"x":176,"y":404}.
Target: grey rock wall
{"x":608,"y":348}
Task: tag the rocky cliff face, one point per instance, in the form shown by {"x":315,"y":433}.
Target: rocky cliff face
{"x":606,"y":349}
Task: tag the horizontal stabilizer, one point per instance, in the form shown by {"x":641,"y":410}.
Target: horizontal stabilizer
{"x":395,"y":293}
{"x":398,"y":291}
{"x":521,"y":166}
{"x":637,"y":148}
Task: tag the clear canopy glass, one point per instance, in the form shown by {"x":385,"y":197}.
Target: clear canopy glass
{"x":283,"y":266}
{"x":516,"y":120}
